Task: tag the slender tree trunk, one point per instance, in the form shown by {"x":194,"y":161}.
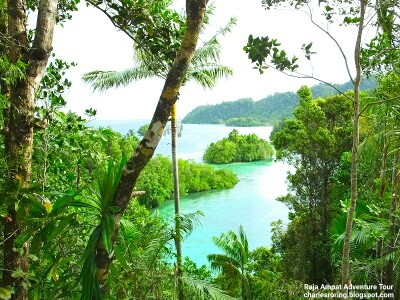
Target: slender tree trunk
{"x":178,"y":234}
{"x":382,"y":189}
{"x":393,"y":219}
{"x":195,"y":10}
{"x":354,"y":152}
{"x":19,"y":134}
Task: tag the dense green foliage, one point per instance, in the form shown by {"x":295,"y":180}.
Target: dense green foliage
{"x":233,"y":263}
{"x":66,"y":190}
{"x":238,"y":148}
{"x":313,"y":142}
{"x":267,"y":111}
{"x":72,"y":183}
{"x":156,"y":179}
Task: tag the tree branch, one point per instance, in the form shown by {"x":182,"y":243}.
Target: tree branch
{"x":310,"y":15}
{"x":104,"y":11}
{"x":376,"y":103}
{"x":303,"y":76}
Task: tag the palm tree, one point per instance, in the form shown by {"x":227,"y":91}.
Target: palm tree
{"x":204,"y":70}
{"x":233,"y":263}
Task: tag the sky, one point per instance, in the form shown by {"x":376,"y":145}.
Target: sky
{"x":91,"y":41}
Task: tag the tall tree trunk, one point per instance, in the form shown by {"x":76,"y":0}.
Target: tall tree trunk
{"x":354,"y":151}
{"x":19,"y":135}
{"x":195,"y":10}
{"x":178,"y":233}
{"x":382,"y":189}
{"x":393,"y":219}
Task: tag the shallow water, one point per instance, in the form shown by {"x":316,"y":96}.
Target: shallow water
{"x":250,"y":203}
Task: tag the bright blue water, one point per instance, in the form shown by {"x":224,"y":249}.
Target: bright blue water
{"x":250,"y":203}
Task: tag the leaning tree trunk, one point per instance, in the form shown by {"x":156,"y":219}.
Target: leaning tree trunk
{"x":178,"y":233}
{"x":354,"y":152}
{"x":20,"y":120}
{"x":195,"y":10}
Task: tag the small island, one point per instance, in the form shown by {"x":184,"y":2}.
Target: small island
{"x":142,"y":129}
{"x":157,"y":179}
{"x":238,"y":148}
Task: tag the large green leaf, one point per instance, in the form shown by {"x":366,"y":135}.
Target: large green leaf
{"x":109,"y":183}
{"x":22,"y":238}
{"x":35,"y":207}
{"x":63,"y":223}
{"x":121,"y":258}
{"x":91,"y":244}
{"x":90,"y":287}
{"x":68,"y":201}
{"x":107,"y":231}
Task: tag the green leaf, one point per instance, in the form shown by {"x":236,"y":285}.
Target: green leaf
{"x":5,"y":294}
{"x":90,"y":287}
{"x":34,"y":205}
{"x":121,"y":258}
{"x":59,"y":206}
{"x":107,"y":231}
{"x":18,"y":273}
{"x":22,"y":238}
{"x":114,"y":209}
{"x":91,"y":243}
{"x":61,"y":226}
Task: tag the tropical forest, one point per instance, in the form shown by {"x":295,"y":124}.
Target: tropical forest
{"x":163,"y":179}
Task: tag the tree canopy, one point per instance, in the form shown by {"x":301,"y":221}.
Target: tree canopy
{"x":267,"y":111}
{"x":238,"y":148}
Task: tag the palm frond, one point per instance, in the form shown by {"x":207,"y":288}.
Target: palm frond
{"x":244,"y":244}
{"x":222,"y":31}
{"x":221,"y":262}
{"x":208,"y":52}
{"x":226,"y":243}
{"x":207,"y":75}
{"x":128,"y":232}
{"x":205,"y":289}
{"x":104,"y":80}
{"x":188,"y":222}
{"x":154,"y":65}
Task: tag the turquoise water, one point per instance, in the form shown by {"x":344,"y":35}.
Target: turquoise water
{"x":194,"y":138}
{"x":250,"y":203}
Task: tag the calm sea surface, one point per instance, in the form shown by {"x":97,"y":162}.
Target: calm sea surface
{"x":250,"y":203}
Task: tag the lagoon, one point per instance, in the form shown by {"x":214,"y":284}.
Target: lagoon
{"x":250,"y":203}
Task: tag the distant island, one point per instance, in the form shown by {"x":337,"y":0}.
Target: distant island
{"x":238,"y":148}
{"x":267,"y":111}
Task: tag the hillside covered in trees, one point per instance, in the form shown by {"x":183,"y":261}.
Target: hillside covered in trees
{"x":267,"y":111}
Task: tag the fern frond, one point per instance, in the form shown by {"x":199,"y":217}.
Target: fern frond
{"x":204,"y":289}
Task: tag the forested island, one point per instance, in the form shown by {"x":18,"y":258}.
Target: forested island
{"x":142,"y":129}
{"x":267,"y":111}
{"x":156,"y":179}
{"x":76,"y":200}
{"x":238,"y":148}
